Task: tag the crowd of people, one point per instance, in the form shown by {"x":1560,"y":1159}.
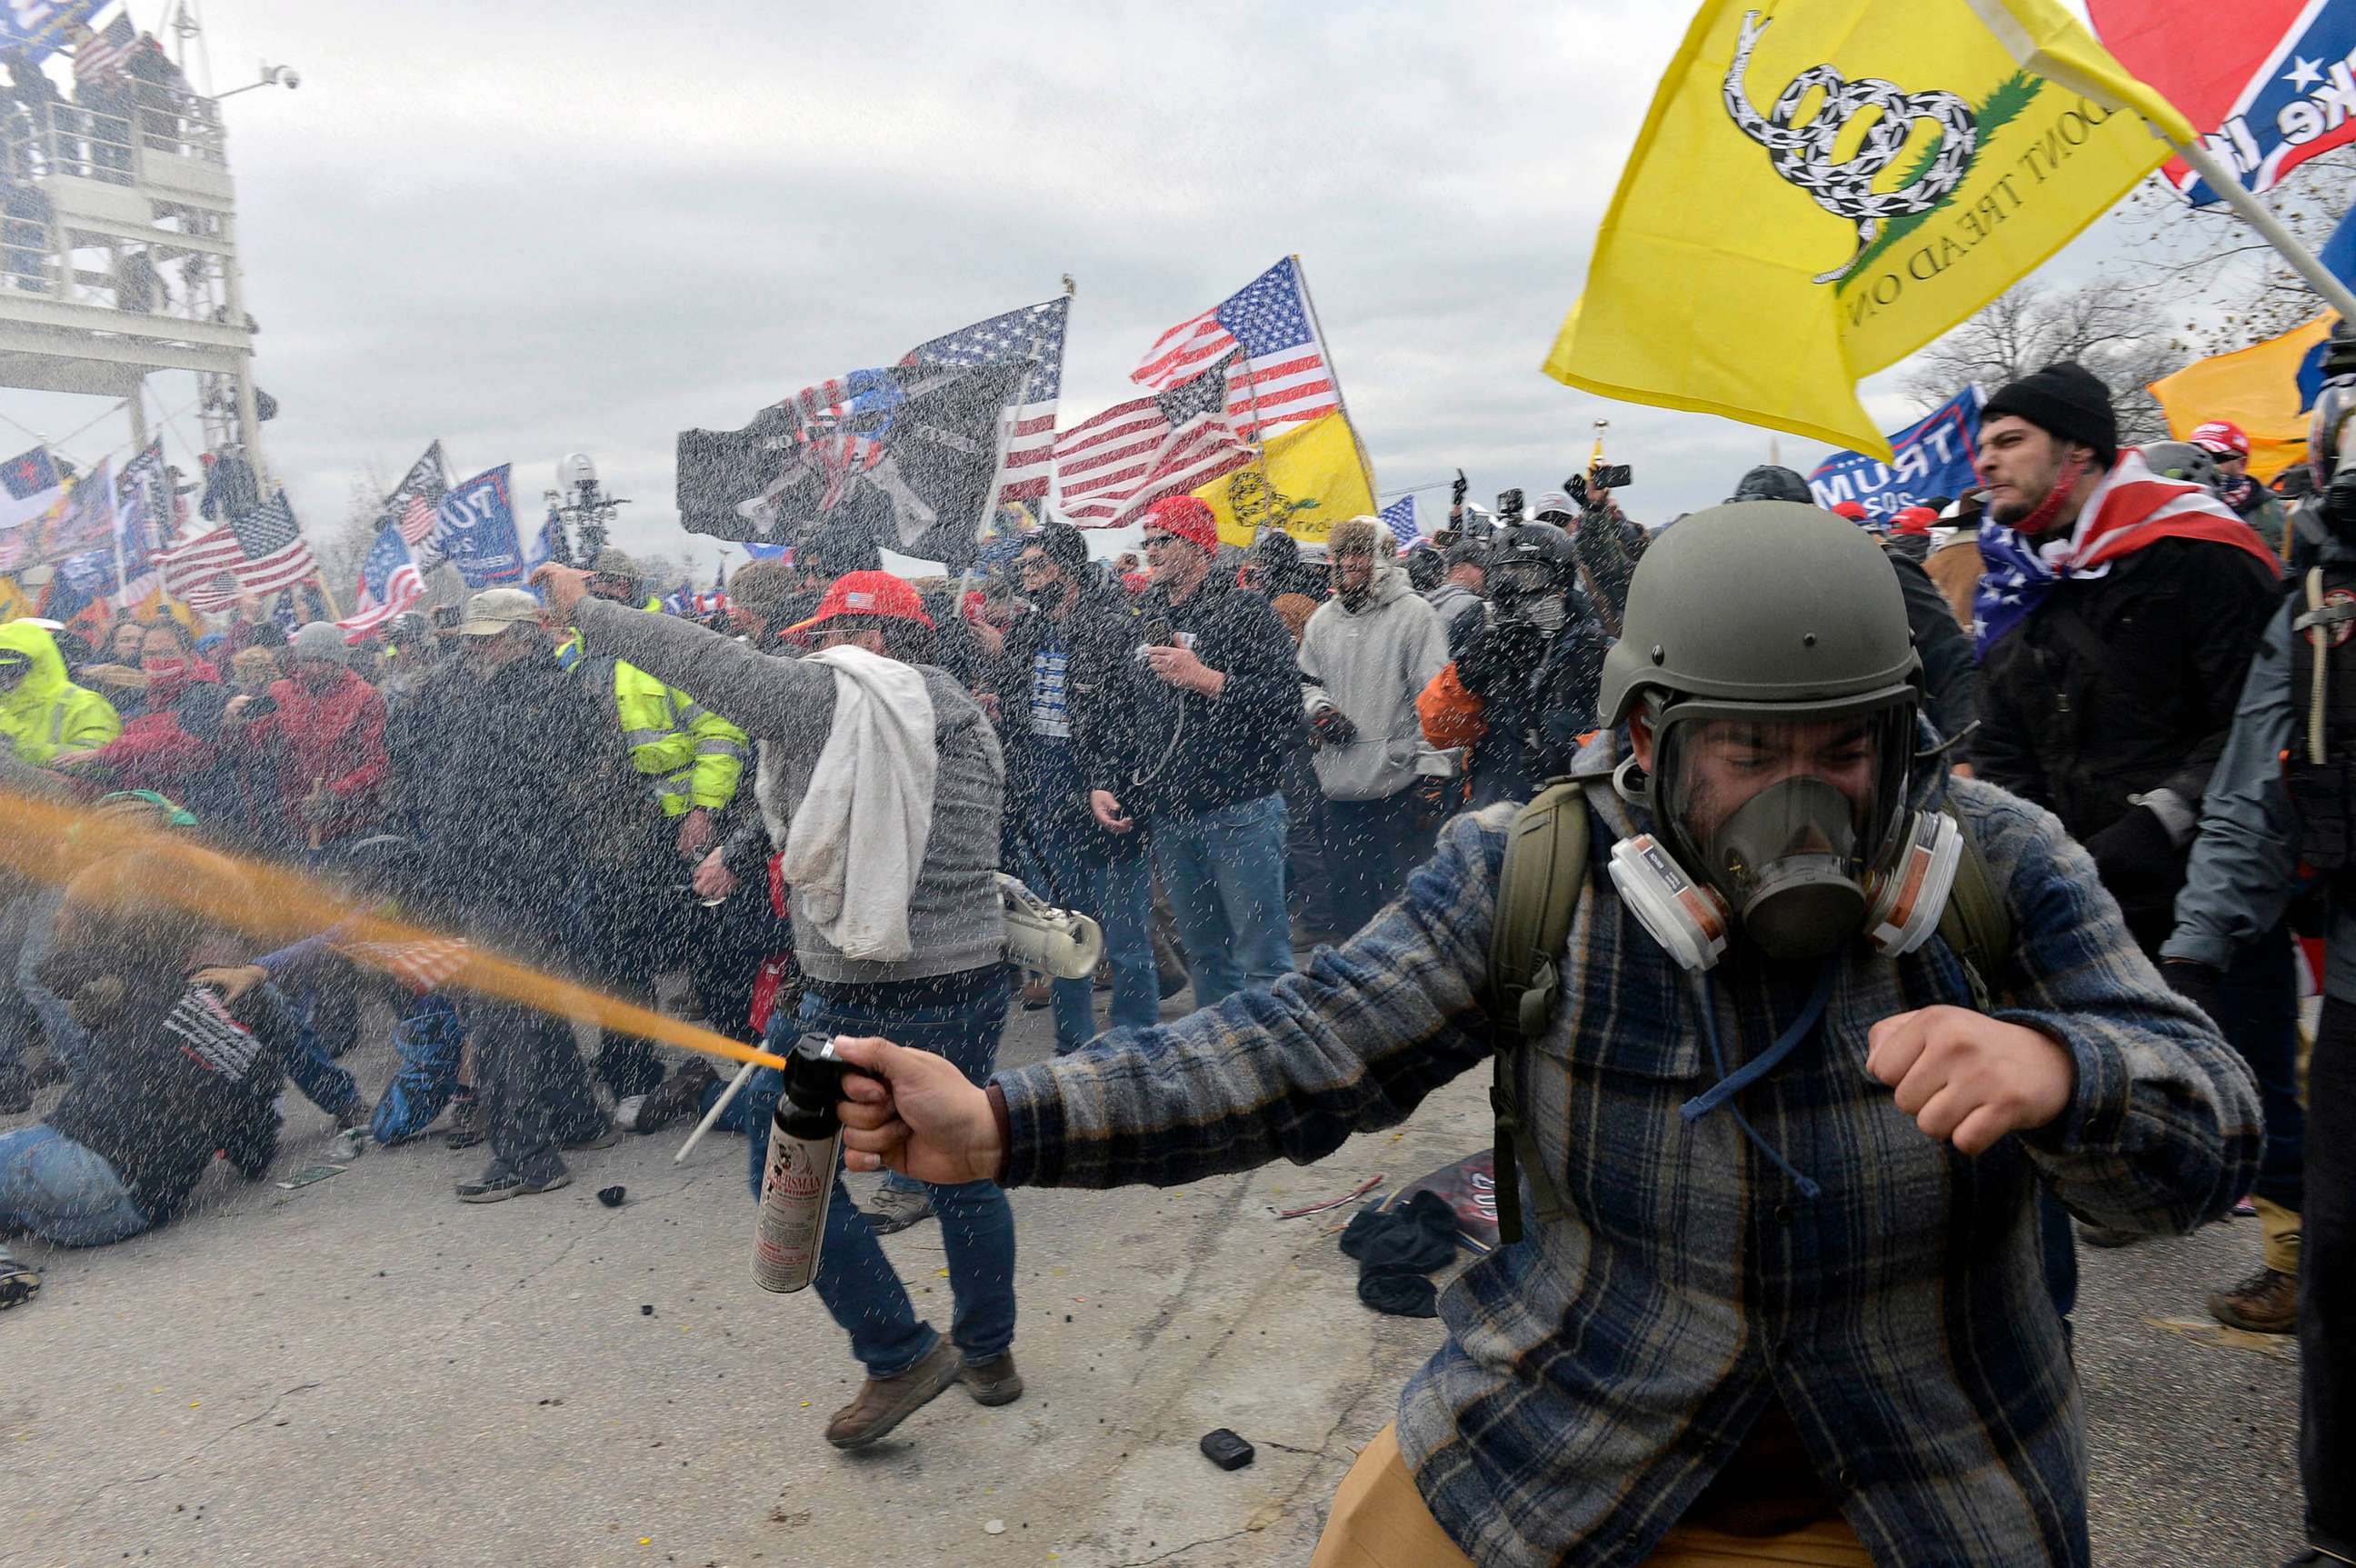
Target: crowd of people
{"x":1940,"y":917}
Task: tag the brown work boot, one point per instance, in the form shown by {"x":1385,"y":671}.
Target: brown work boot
{"x":993,"y":1382}
{"x":2265,"y":1303}
{"x":885,"y":1403}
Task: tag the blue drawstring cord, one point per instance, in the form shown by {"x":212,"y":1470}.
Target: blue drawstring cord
{"x":1730,"y":1084}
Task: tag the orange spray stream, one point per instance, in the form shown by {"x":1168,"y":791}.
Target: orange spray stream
{"x":49,"y":840}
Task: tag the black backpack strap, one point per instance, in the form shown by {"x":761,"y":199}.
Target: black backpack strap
{"x":1537,"y":893}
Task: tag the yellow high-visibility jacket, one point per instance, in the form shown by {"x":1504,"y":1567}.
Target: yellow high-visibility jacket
{"x":693,"y":756}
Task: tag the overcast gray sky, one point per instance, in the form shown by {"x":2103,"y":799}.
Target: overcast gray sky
{"x":530,"y":228}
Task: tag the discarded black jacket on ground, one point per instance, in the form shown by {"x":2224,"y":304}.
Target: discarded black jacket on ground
{"x":1197,"y":755}
{"x":1537,"y":696}
{"x":1396,"y":1248}
{"x":2121,"y":685}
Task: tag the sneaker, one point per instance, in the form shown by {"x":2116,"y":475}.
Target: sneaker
{"x":2265,"y":1303}
{"x":885,"y":1403}
{"x":896,"y":1207}
{"x":466,"y":1125}
{"x":605,"y":1137}
{"x":679,"y":1097}
{"x":993,"y":1382}
{"x":20,"y":1282}
{"x":2104,"y":1236}
{"x":498,"y":1184}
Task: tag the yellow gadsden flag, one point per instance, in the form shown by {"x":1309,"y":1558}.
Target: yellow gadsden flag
{"x":1823,"y":186}
{"x":1309,"y":479}
{"x":2258,"y":388}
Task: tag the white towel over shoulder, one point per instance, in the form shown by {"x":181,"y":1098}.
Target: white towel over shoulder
{"x":857,"y":836}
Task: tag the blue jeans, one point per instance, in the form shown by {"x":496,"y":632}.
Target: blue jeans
{"x":427,"y":1039}
{"x":68,"y":1042}
{"x":854,"y":1277}
{"x":325,"y":1081}
{"x":1224,"y":871}
{"x":62,"y":1192}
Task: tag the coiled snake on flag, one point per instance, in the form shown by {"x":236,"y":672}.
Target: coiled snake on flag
{"x":1804,"y":155}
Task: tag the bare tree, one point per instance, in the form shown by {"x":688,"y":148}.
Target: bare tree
{"x":2233,"y":288}
{"x":2120,"y":336}
{"x":347,"y":541}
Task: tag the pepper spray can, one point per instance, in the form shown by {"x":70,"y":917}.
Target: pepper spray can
{"x":805,"y":1141}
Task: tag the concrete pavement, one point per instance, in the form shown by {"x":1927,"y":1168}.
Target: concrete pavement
{"x":364,"y":1371}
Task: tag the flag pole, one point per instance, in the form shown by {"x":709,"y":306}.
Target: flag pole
{"x":1365,"y":464}
{"x":2270,"y":228}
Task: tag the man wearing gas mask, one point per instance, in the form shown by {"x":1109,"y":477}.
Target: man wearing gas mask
{"x":1781,"y":1274}
{"x":1520,"y":689}
{"x":2282,"y":795}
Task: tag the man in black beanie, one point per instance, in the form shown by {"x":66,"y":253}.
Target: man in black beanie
{"x":2115,"y":621}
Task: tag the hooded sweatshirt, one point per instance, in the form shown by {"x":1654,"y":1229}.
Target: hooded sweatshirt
{"x":1372,"y":662}
{"x":47,"y":712}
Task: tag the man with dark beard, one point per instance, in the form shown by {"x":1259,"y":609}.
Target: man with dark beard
{"x":2115,"y":622}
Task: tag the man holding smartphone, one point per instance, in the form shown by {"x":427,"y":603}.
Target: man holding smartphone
{"x":1210,"y":755}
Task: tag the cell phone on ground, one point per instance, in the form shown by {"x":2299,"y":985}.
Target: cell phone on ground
{"x":308,"y":1175}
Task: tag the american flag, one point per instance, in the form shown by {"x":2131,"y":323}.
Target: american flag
{"x":105,"y":54}
{"x":1115,"y":466}
{"x":143,"y":508}
{"x":1400,"y":517}
{"x":1034,"y":332}
{"x":194,"y":571}
{"x":275,"y":554}
{"x":1281,"y":377}
{"x":389,"y":584}
{"x":413,"y":505}
{"x":422,"y":965}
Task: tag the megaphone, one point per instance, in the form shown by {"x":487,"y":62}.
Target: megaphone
{"x":1047,"y":940}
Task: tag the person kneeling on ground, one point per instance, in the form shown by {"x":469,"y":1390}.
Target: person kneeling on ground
{"x":1803,"y":1299}
{"x":173,"y":1076}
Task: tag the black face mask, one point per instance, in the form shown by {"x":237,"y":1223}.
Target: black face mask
{"x":1787,"y":860}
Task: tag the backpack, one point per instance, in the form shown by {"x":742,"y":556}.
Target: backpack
{"x":1537,"y":891}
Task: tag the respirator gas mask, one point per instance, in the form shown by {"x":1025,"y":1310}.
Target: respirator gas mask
{"x":1795,"y":827}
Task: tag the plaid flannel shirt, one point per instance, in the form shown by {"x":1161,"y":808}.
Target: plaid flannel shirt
{"x":1596,"y":1376}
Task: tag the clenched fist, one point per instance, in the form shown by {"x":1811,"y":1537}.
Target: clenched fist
{"x":1967,"y":1079}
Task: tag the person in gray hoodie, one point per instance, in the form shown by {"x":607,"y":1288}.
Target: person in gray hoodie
{"x":1458,"y":594}
{"x":949,"y":989}
{"x":1366,"y":655}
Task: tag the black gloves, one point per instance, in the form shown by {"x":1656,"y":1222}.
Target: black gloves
{"x":1331,"y":726}
{"x":2135,"y":854}
{"x":1499,"y":656}
{"x":2196,"y":982}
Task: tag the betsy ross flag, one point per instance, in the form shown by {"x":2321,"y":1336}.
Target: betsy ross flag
{"x":1399,"y":518}
{"x":1281,"y":375}
{"x":101,"y":57}
{"x":271,"y":543}
{"x":1035,"y":333}
{"x":389,"y":583}
{"x":414,"y":501}
{"x":1115,"y":466}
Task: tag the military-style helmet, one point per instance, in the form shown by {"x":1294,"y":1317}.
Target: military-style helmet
{"x":1766,"y":602}
{"x":2185,"y":460}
